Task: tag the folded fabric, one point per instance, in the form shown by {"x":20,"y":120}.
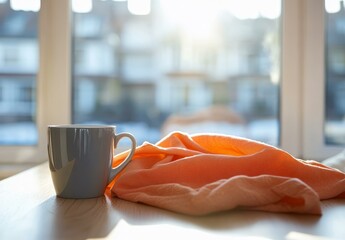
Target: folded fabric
{"x":205,"y":173}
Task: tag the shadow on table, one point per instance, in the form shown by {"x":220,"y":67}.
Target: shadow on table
{"x":58,"y":218}
{"x":105,"y":216}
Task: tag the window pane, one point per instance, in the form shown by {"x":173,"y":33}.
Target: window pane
{"x":151,"y":67}
{"x":18,"y":69}
{"x":335,"y":72}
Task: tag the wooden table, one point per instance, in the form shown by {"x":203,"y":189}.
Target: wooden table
{"x":29,"y":209}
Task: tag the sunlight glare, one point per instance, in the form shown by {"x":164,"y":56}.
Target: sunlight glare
{"x":139,"y":7}
{"x":127,"y":230}
{"x":81,"y":6}
{"x":245,"y":9}
{"x":332,"y":6}
{"x":297,"y":236}
{"x":253,"y":9}
{"x":270,"y":9}
{"x":196,"y":18}
{"x":25,"y":5}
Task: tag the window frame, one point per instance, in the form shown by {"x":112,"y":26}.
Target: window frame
{"x":291,"y":56}
{"x":314,"y":83}
{"x":53,"y":80}
{"x":302,"y":76}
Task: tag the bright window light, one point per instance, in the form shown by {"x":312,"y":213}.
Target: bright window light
{"x":195,"y":25}
{"x":25,"y":5}
{"x":253,"y":9}
{"x":240,"y":9}
{"x":332,"y":6}
{"x":81,"y":6}
{"x":139,"y":7}
{"x":270,"y":9}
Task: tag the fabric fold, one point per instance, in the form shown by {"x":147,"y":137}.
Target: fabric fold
{"x":206,"y":173}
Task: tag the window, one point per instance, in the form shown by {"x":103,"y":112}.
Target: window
{"x":105,"y":61}
{"x":171,"y":68}
{"x":18,"y":69}
{"x":335,"y":73}
{"x":10,"y":56}
{"x":30,"y":80}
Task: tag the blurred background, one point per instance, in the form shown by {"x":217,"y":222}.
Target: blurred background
{"x":155,"y":66}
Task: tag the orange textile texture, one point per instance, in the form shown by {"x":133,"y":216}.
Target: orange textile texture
{"x":205,"y":173}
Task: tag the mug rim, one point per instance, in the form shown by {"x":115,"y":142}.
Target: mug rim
{"x":81,"y":126}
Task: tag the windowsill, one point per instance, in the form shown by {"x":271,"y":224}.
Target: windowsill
{"x":10,"y":169}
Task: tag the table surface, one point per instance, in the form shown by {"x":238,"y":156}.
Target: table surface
{"x":29,"y":209}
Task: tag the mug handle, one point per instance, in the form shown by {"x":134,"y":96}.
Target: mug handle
{"x":117,"y":138}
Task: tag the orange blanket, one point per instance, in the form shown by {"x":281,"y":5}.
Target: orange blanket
{"x":206,"y":173}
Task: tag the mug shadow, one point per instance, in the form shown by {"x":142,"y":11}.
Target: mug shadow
{"x":76,"y":219}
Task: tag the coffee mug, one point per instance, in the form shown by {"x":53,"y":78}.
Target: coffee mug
{"x":80,"y":158}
